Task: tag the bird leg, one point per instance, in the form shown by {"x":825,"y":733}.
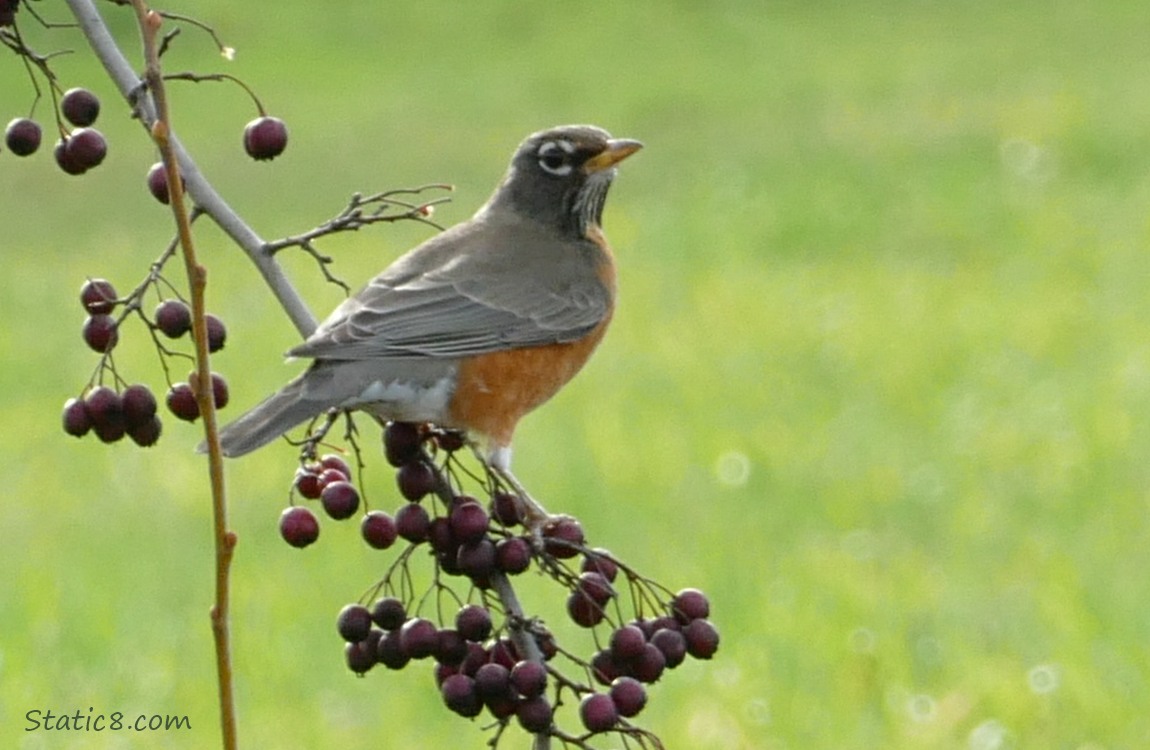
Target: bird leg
{"x":535,"y":516}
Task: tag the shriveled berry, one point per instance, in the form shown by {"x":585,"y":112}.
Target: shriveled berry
{"x":563,"y":536}
{"x":702,"y":639}
{"x":100,"y":333}
{"x":181,"y":400}
{"x":468,"y":522}
{"x":529,"y":678}
{"x":388,"y":613}
{"x":80,"y":107}
{"x":598,"y":712}
{"x":75,"y":418}
{"x":401,"y":442}
{"x":22,"y":136}
{"x":627,"y":643}
{"x":298,"y":526}
{"x":473,"y":622}
{"x":353,"y":623}
{"x":98,"y":296}
{"x":412,"y":522}
{"x":513,"y":556}
{"x":340,"y":500}
{"x":173,"y":317}
{"x":86,"y":148}
{"x":629,"y":696}
{"x":389,"y":651}
{"x":146,"y":434}
{"x":459,"y":695}
{"x":378,"y":529}
{"x":419,"y":637}
{"x":217,"y":333}
{"x":265,"y":138}
{"x":416,"y":480}
{"x":534,"y":714}
{"x":139,"y":405}
{"x":690,"y":604}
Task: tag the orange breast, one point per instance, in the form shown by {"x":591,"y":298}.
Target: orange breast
{"x":494,"y":391}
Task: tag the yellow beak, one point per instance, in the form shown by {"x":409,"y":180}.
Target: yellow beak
{"x":617,"y":150}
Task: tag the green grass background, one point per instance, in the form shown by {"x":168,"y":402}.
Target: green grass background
{"x":879,"y":381}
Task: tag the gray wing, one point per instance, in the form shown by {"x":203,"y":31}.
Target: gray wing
{"x":454,"y":296}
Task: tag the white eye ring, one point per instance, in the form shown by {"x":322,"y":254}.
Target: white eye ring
{"x":555,"y":163}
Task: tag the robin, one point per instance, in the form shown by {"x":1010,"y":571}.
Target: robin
{"x":479,"y":325}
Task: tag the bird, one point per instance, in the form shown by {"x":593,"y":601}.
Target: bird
{"x":479,"y":325}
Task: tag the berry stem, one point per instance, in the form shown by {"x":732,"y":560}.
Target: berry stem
{"x":150,"y":23}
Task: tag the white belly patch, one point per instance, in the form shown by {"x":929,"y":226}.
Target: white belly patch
{"x":406,"y":401}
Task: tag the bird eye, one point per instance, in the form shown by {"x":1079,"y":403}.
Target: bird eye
{"x":554,"y":157}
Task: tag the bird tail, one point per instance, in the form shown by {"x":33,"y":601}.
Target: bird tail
{"x":269,"y":419}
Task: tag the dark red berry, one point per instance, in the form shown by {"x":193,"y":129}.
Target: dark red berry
{"x":388,"y":613}
{"x":145,"y":435}
{"x":627,"y":643}
{"x":401,"y":442}
{"x":419,"y":638}
{"x":648,"y":666}
{"x":65,"y":161}
{"x":181,"y":400}
{"x":307,"y":484}
{"x":563,"y":536}
{"x":265,"y":138}
{"x":473,"y":622}
{"x":158,"y":183}
{"x":332,"y":461}
{"x":513,"y":556}
{"x":450,"y":647}
{"x":450,"y":440}
{"x":673,"y":645}
{"x":106,"y":412}
{"x":360,"y":656}
{"x":505,"y":508}
{"x":584,"y":611}
{"x":173,"y":317}
{"x":330,"y":476}
{"x":596,"y":587}
{"x":22,"y":136}
{"x":504,"y":652}
{"x":598,"y":712}
{"x":534,"y":714}
{"x":98,"y":296}
{"x":629,"y":696}
{"x":468,"y":522}
{"x":416,"y":479}
{"x":493,"y":681}
{"x":220,"y":394}
{"x":413,"y":523}
{"x":600,"y":561}
{"x":529,"y":678}
{"x":100,"y":333}
{"x":353,"y":623}
{"x":459,"y":695}
{"x":702,"y":639}
{"x":340,"y":500}
{"x":378,"y":529}
{"x":85,"y":148}
{"x":76,"y":421}
{"x":690,"y":604}
{"x":605,"y":668}
{"x":298,"y":526}
{"x":217,"y":333}
{"x":476,"y":559}
{"x":440,"y":537}
{"x":389,"y":651}
{"x":139,"y":405}
{"x":80,"y":107}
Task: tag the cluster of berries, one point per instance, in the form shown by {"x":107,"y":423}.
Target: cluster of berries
{"x":78,"y":150}
{"x":478,"y":666}
{"x":113,"y":415}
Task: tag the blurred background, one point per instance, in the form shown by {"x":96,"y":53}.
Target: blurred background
{"x":879,"y":381}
